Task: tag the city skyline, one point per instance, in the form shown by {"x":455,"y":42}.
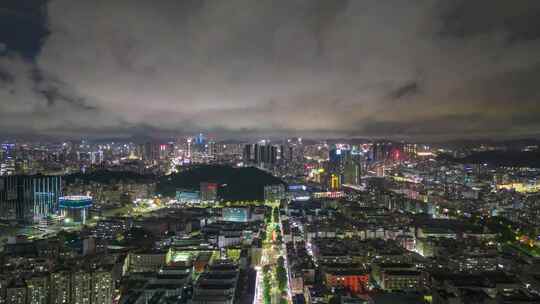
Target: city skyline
{"x":269,"y":151}
{"x":421,"y":70}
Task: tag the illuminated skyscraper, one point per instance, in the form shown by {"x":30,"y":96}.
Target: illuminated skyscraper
{"x":29,"y":198}
{"x":335,"y":183}
{"x":352,"y":172}
{"x":260,"y":154}
{"x":410,"y":149}
{"x":381,"y":151}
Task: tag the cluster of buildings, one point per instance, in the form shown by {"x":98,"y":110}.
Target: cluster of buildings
{"x":48,"y":271}
{"x":368,"y":222}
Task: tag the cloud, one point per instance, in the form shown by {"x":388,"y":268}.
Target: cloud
{"x":409,"y":89}
{"x":419,"y":68}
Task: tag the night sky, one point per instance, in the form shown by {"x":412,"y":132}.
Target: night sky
{"x":414,"y":69}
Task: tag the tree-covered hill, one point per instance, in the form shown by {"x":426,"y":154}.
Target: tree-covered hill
{"x":235,"y":184}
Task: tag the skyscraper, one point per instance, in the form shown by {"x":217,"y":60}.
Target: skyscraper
{"x":352,"y":172}
{"x":29,"y":198}
{"x":209,"y":192}
{"x":262,"y":154}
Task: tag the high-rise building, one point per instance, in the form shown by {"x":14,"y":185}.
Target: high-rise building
{"x":16,"y":293}
{"x":211,"y":148}
{"x":335,"y":182}
{"x":77,"y":286}
{"x":29,"y":198}
{"x":81,"y":291}
{"x":60,"y":287}
{"x":262,"y":154}
{"x":353,"y":172}
{"x":38,"y":289}
{"x":338,"y":159}
{"x":102,"y":287}
{"x":200,"y":139}
{"x":209,"y":192}
{"x":247,"y":154}
{"x":410,"y":149}
{"x":96,"y":157}
{"x":150,"y":151}
{"x":286,"y":153}
{"x":381,"y":151}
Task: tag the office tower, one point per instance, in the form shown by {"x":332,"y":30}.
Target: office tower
{"x":29,"y":198}
{"x":89,"y":246}
{"x":211,"y":148}
{"x":96,"y":157}
{"x":410,"y":149}
{"x":260,"y":154}
{"x":286,"y":153}
{"x":382,"y":151}
{"x":163,"y":151}
{"x":352,"y":172}
{"x":248,"y":152}
{"x":338,"y":157}
{"x":200,"y":139}
{"x":335,"y":182}
{"x":189,"y":147}
{"x":209,"y":192}
{"x":151,"y":151}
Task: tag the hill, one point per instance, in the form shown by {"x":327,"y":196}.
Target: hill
{"x":236,"y":184}
{"x":500,"y":158}
{"x":107,"y":177}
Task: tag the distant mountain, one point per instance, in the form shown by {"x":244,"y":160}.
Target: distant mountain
{"x":236,"y":184}
{"x":511,"y":158}
{"x":509,"y":144}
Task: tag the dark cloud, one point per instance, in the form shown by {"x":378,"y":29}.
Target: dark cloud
{"x":23,"y":26}
{"x":54,"y":95}
{"x":6,"y":77}
{"x":409,"y":89}
{"x":516,"y":19}
{"x":246,"y":68}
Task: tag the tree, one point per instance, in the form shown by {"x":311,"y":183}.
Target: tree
{"x":263,"y":234}
{"x":125,"y":199}
{"x":275,"y":212}
{"x":267,"y":217}
{"x":267,"y":297}
{"x":281,"y":273}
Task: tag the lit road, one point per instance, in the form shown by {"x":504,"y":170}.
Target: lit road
{"x":271,"y":251}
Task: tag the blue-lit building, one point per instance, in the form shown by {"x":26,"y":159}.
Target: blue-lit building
{"x":191,"y":197}
{"x":74,"y":209}
{"x":240,"y":215}
{"x":200,"y":139}
{"x":29,"y":199}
